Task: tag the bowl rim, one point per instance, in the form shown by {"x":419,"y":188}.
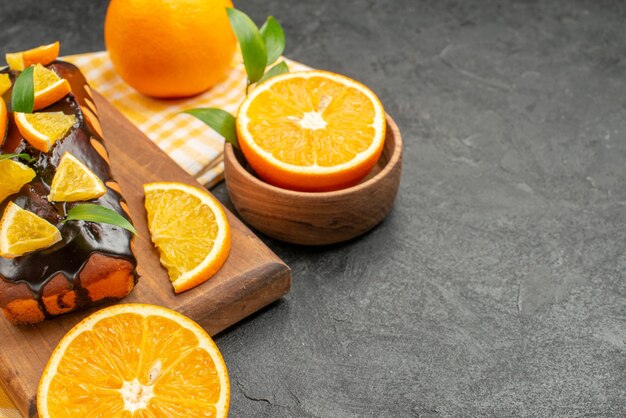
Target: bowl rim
{"x":394,"y":159}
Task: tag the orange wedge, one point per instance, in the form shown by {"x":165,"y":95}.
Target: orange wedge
{"x":13,"y":176}
{"x":42,"y":130}
{"x":190,"y":230}
{"x":22,"y":232}
{"x":4,"y":120}
{"x":135,"y":360}
{"x":74,"y":181}
{"x":44,"y":54}
{"x":5,"y":83}
{"x":311,"y":131}
{"x":49,"y":87}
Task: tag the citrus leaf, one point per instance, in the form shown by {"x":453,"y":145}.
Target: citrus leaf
{"x":219,"y":120}
{"x":23,"y":98}
{"x":250,"y":42}
{"x":96,"y":213}
{"x":279,"y":68}
{"x":274,"y":39}
{"x":24,"y":157}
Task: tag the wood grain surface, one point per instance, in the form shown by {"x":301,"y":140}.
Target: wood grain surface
{"x":252,"y":277}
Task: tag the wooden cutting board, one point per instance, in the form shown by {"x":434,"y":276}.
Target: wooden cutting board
{"x":252,"y":277}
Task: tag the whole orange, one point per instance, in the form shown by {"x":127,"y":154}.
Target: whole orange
{"x":170,"y":48}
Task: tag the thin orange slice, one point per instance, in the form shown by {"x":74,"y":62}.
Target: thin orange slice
{"x":191,"y":231}
{"x":311,"y":131}
{"x":74,"y":181}
{"x":49,"y":87}
{"x":42,"y":130}
{"x":22,"y":232}
{"x":135,"y":360}
{"x":4,"y":120}
{"x":5,"y":83}
{"x":13,"y":176}
{"x":44,"y":54}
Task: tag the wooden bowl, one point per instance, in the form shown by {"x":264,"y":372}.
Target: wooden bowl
{"x":316,"y":218}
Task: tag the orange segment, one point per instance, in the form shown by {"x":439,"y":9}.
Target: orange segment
{"x":22,"y":232}
{"x":311,"y":131}
{"x":44,"y":54}
{"x":49,"y":87}
{"x":135,"y":360}
{"x":42,"y":130}
{"x":4,"y":120}
{"x":5,"y":83}
{"x":13,"y":176}
{"x":191,"y":231}
{"x":73,"y":181}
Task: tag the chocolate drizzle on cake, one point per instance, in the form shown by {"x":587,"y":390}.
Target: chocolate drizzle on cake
{"x":80,"y":239}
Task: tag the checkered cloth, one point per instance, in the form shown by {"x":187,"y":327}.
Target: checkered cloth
{"x":7,"y":410}
{"x":193,"y":145}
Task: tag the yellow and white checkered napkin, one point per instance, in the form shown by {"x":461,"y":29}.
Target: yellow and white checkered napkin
{"x":192,"y":144}
{"x":7,"y":410}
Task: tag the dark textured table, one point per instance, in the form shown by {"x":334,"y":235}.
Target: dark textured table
{"x":496,"y":285}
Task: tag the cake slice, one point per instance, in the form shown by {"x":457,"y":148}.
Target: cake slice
{"x":93,"y":261}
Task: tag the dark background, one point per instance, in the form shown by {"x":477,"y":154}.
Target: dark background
{"x":496,"y":285}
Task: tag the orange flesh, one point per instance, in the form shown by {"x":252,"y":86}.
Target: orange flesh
{"x":44,"y":78}
{"x":44,"y":54}
{"x":277,"y":115}
{"x":4,"y":119}
{"x":182,"y":376}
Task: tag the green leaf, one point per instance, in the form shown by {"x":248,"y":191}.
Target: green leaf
{"x":219,"y":120}
{"x":279,"y":68}
{"x":274,"y":39}
{"x":96,"y":213}
{"x":24,"y":157}
{"x":23,"y":99}
{"x":250,"y":42}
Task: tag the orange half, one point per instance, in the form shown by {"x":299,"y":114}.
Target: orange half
{"x":311,"y":131}
{"x":135,"y":360}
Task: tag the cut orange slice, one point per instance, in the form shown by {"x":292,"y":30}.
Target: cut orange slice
{"x":5,"y":83}
{"x":311,"y":131}
{"x":4,"y":120}
{"x":74,"y":182}
{"x":13,"y":176}
{"x":22,"y":232}
{"x":42,"y":130}
{"x":191,"y":231}
{"x":44,"y":54}
{"x":49,"y":87}
{"x":135,"y":360}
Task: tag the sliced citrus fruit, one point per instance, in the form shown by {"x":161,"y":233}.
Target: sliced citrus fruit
{"x":13,"y":176}
{"x":74,"y":181}
{"x":311,"y":131}
{"x":5,"y":83}
{"x":44,"y":54}
{"x":135,"y":360}
{"x":4,"y":120}
{"x":49,"y":87}
{"x":42,"y":130}
{"x":190,"y":229}
{"x":22,"y":232}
